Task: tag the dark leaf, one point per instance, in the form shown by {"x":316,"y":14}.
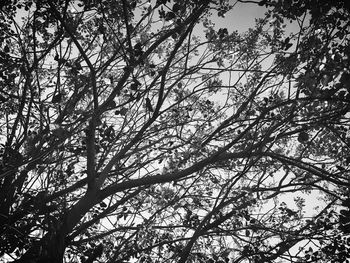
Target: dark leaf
{"x":288,"y":46}
{"x":303,"y":137}
{"x":149,"y":105}
{"x":340,"y":168}
{"x":57,"y":98}
{"x":122,"y":111}
{"x":176,"y":7}
{"x":262,"y":3}
{"x":286,"y":41}
{"x":346,"y":203}
{"x":112,"y":105}
{"x":3,"y":99}
{"x":138,"y":46}
{"x":170,"y":16}
{"x":134,"y":86}
{"x":6,"y":49}
{"x":162,"y":2}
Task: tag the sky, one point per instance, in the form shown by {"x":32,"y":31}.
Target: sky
{"x":241,"y":17}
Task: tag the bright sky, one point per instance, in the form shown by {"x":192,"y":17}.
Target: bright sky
{"x":241,"y":17}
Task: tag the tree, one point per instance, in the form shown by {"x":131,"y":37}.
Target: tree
{"x":139,"y":131}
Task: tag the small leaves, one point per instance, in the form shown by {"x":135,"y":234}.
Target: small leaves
{"x":183,"y":169}
{"x":222,"y":33}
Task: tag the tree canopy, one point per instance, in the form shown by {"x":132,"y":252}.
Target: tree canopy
{"x":140,"y":131}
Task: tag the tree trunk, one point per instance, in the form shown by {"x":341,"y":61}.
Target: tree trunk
{"x":50,"y":249}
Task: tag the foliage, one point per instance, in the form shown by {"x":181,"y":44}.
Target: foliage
{"x":139,"y":131}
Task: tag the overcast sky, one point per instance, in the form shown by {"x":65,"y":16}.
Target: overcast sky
{"x":241,"y":17}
